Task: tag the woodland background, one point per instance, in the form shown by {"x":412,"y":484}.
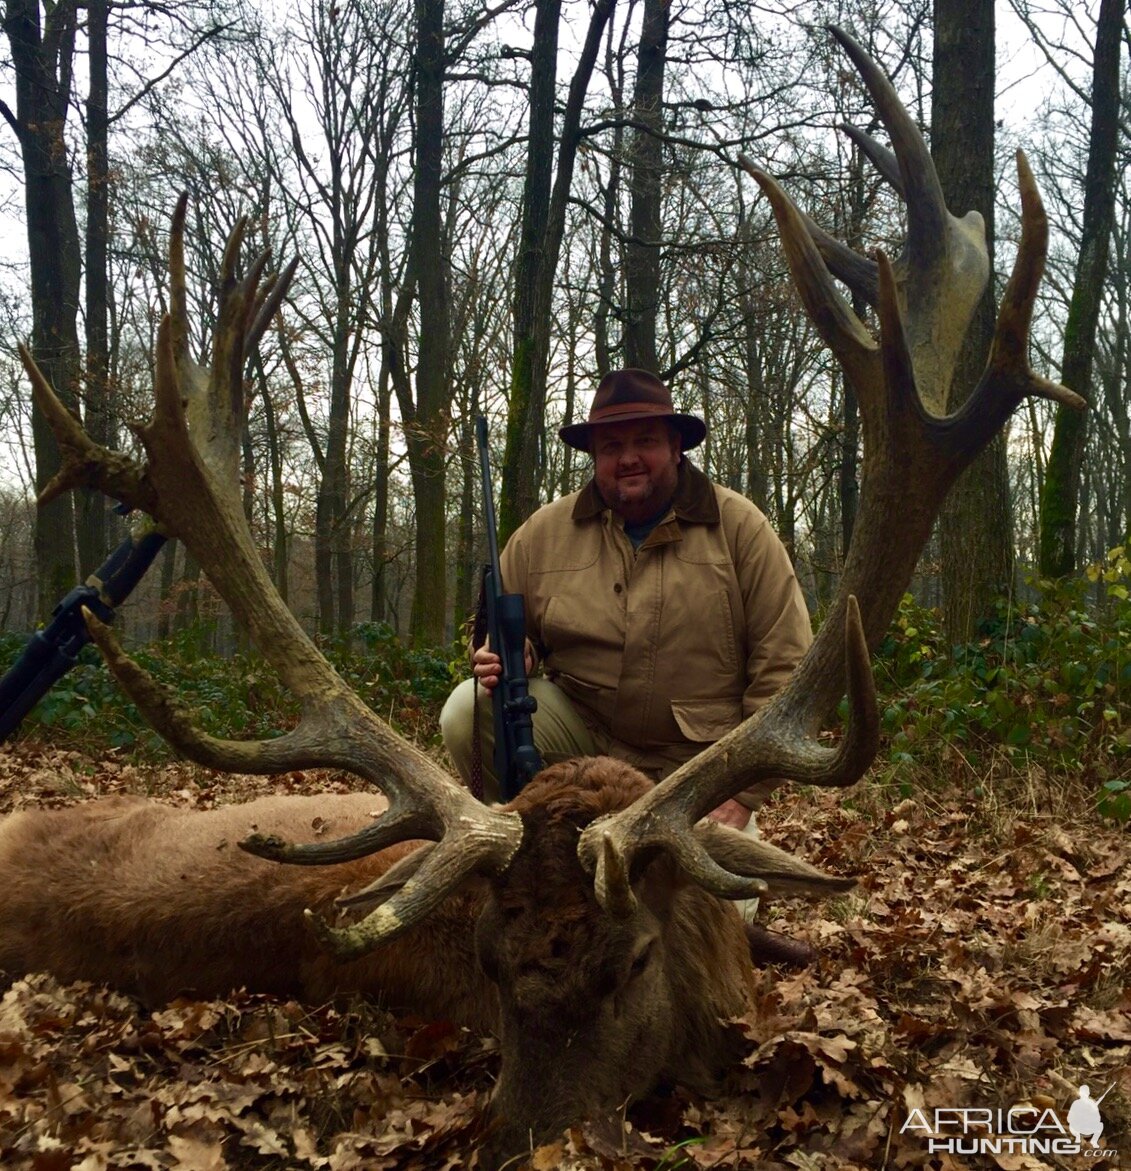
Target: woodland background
{"x":491,"y":204}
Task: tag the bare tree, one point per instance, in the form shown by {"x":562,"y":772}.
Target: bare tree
{"x":545,"y":198}
{"x":975,"y":528}
{"x":1061,"y":492}
{"x":42,"y":45}
{"x":426,"y":418}
{"x":642,"y":252}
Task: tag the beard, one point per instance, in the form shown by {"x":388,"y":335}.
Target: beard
{"x":636,"y":496}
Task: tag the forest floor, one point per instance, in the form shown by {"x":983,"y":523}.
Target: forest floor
{"x":982,"y":963}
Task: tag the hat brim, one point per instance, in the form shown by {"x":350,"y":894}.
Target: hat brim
{"x":691,"y":428}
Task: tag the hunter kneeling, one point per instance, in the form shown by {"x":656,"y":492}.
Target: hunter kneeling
{"x":662,"y":608}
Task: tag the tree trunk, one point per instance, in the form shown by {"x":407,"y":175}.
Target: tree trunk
{"x":975,"y":527}
{"x":43,"y":63}
{"x":468,"y":557}
{"x":642,"y":254}
{"x":1061,"y":492}
{"x":427,"y":432}
{"x":379,"y":591}
{"x":1116,"y":380}
{"x":165,"y":608}
{"x":93,"y":541}
{"x":280,"y":542}
{"x":188,"y":600}
{"x":543,"y":225}
{"x":848,"y":468}
{"x":531,"y":325}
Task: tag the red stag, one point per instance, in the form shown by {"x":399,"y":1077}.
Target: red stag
{"x":587,"y":922}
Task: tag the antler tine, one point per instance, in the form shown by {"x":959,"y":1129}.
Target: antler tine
{"x":464,"y":838}
{"x":612,"y":882}
{"x":270,"y":304}
{"x":190,"y":486}
{"x":1008,"y":377}
{"x":884,"y":160}
{"x":486,"y":843}
{"x":838,"y":325}
{"x":927,"y":215}
{"x":845,"y":263}
{"x":858,"y":272}
{"x":178,"y":288}
{"x":944,"y":264}
{"x":1009,"y":353}
{"x":84,"y":463}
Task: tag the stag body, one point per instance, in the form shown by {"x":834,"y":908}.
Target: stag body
{"x":590,"y":1009}
{"x":159,"y":901}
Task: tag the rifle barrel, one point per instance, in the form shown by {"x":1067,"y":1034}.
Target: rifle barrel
{"x":488,"y":497}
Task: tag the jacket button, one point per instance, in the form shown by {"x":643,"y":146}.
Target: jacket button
{"x":618,"y":588}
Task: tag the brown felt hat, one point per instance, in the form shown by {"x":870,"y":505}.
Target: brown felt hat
{"x":633,"y":394}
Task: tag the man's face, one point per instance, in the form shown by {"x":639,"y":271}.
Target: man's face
{"x":636,"y":466}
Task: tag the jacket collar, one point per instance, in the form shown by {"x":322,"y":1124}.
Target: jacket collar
{"x":694,"y":499}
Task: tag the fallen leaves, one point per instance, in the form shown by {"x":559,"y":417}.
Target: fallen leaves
{"x":247,"y":1082}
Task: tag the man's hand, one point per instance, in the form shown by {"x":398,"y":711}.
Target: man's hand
{"x":731,"y":813}
{"x":486,"y":666}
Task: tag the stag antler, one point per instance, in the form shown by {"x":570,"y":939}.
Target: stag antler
{"x":913,"y":453}
{"x":189,"y":484}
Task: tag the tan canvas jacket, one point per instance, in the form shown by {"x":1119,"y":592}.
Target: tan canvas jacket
{"x":665,"y":648}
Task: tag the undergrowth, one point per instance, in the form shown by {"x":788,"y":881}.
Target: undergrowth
{"x":238,"y":696}
{"x":1043,"y":692}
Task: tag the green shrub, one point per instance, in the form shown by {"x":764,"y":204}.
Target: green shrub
{"x":1047,"y":682}
{"x":239,"y":696}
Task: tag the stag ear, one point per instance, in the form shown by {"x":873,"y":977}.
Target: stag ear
{"x":751,"y":857}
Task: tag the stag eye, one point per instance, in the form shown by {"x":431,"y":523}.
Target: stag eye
{"x":641,"y":959}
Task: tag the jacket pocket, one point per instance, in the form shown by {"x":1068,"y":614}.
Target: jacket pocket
{"x":595,"y":701}
{"x":706,"y":720}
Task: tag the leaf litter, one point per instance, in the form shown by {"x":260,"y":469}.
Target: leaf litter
{"x":980,"y":963}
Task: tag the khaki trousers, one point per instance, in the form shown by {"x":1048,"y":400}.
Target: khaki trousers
{"x":559,"y":732}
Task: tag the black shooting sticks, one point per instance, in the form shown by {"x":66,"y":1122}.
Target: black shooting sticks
{"x":51,"y":652}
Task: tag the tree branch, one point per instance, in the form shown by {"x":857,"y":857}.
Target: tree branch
{"x":154,"y":82}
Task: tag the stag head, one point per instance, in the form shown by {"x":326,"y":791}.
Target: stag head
{"x":605,"y":910}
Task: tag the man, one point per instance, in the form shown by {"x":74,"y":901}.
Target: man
{"x":662,"y":608}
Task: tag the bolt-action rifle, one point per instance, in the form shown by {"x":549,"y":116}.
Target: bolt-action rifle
{"x":516,"y":759}
{"x":51,"y":652}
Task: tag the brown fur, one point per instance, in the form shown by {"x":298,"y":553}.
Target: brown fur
{"x":595,"y":1012}
{"x":590,"y":1011}
{"x":158,"y":901}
